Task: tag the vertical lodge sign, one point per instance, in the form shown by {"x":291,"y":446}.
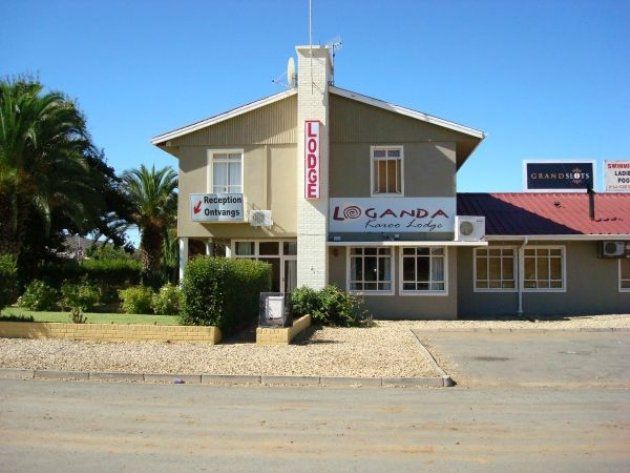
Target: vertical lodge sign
{"x":311,"y":159}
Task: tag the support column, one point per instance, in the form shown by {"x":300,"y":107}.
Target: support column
{"x":314,"y":75}
{"x":183,"y":257}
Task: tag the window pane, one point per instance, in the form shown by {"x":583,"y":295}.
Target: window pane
{"x":495,"y":284}
{"x":384,"y":269}
{"x":379,"y":153}
{"x":482,"y":268}
{"x":384,"y":286}
{"x":423,"y":269}
{"x":393,"y":177}
{"x":437,"y":269}
{"x":409,"y":271}
{"x":409,"y":251}
{"x":219,"y":174}
{"x":483,"y":252}
{"x":508,"y":285}
{"x":393,"y":153}
{"x":356,"y":269}
{"x":543,"y":268}
{"x":370,"y":286}
{"x":508,"y":268}
{"x":370,"y":251}
{"x":409,"y":286}
{"x":530,"y":268}
{"x":482,"y":284}
{"x":422,"y":251}
{"x":269,"y":248}
{"x":437,"y":286}
{"x":625,"y":268}
{"x":234,"y":174}
{"x":382,"y":176}
{"x":244,"y":248}
{"x":370,"y":268}
{"x":290,"y":248}
{"x":556,"y":268}
{"x":494,"y":269}
{"x":437,"y":251}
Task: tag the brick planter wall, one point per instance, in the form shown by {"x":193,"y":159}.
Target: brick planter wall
{"x":283,"y":335}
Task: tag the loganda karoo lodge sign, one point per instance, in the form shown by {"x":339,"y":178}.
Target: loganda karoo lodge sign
{"x":397,"y":215}
{"x":221,"y":207}
{"x":560,"y":175}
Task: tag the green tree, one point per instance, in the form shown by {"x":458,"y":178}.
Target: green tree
{"x":153,"y":196}
{"x":45,"y":153}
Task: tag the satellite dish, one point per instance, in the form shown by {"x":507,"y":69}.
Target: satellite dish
{"x":291,"y":74}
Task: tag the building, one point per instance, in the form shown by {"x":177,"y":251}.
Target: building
{"x":363,"y":194}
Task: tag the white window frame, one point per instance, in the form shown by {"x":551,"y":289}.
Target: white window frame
{"x":211,"y":153}
{"x":622,"y":289}
{"x":563,"y":255}
{"x":433,"y":293}
{"x":392,"y":260}
{"x":402,"y":169}
{"x":257,"y":256}
{"x":497,"y":289}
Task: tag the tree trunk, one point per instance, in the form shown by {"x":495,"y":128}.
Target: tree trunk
{"x":9,"y":235}
{"x":151,"y":247}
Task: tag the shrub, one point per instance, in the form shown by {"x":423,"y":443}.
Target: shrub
{"x":223,"y":292}
{"x":136,"y":300}
{"x":330,"y":306}
{"x":118,"y":272}
{"x":167,"y":300}
{"x":77,"y":317}
{"x":39,"y":296}
{"x":8,"y":275}
{"x":82,"y":296}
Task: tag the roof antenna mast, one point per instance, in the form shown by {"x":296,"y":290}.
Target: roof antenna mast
{"x":310,"y":36}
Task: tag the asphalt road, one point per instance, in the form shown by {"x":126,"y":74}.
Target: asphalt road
{"x":80,"y":427}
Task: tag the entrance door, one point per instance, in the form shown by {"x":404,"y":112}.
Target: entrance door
{"x":290,"y":274}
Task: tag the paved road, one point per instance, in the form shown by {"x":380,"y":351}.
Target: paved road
{"x":565,"y":359}
{"x":79,"y":427}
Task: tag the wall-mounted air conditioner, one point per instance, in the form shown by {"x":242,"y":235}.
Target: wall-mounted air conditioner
{"x":470,"y":228}
{"x":613,"y":249}
{"x":260,"y":218}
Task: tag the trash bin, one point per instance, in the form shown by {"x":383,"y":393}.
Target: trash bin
{"x":274,"y":310}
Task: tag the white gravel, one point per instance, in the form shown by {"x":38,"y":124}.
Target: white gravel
{"x":388,"y":350}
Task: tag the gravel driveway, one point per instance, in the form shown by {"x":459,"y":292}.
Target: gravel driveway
{"x":387,"y":350}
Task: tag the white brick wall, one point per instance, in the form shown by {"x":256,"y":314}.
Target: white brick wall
{"x":312,"y":219}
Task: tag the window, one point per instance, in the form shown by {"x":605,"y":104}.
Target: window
{"x":624,"y":274}
{"x":495,"y":269}
{"x":423,"y":271}
{"x":281,"y":255}
{"x":387,"y":172}
{"x":544,"y":269}
{"x":370,"y":270}
{"x":227,"y":172}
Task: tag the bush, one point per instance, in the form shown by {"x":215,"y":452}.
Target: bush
{"x":8,"y":276}
{"x":118,"y":272}
{"x":136,"y":300}
{"x":39,"y":296}
{"x":168,"y":300}
{"x":82,"y":296}
{"x":330,"y":306}
{"x":223,"y":292}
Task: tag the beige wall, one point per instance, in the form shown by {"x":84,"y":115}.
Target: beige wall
{"x":397,"y":306}
{"x":592,"y":287}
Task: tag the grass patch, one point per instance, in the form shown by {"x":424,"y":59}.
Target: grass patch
{"x":16,"y":314}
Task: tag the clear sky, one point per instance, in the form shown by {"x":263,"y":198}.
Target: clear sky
{"x":543,"y":79}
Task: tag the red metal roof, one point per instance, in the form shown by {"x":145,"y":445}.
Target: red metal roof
{"x":525,"y":213}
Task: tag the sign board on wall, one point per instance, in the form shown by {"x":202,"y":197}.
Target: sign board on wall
{"x":558,"y":175}
{"x":617,"y":176}
{"x":311,"y":159}
{"x":222,"y":207}
{"x":395,"y":215}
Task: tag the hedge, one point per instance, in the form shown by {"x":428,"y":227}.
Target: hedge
{"x":8,"y":275}
{"x":330,"y":306}
{"x":223,"y":292}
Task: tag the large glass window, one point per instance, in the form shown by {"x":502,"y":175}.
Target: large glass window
{"x":226,"y":172}
{"x":370,"y":270}
{"x":495,"y":269}
{"x":624,"y":274}
{"x":423,"y":270}
{"x":544,"y":269}
{"x":387,"y":173}
{"x":281,"y":255}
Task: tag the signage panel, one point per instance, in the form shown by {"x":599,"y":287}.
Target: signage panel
{"x":558,"y":175}
{"x":311,"y":160}
{"x":220,"y":207}
{"x":392,"y":215}
{"x":617,"y":176}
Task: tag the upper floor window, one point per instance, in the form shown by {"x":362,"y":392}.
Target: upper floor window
{"x":387,"y":170}
{"x":227,"y":171}
{"x":624,"y":274}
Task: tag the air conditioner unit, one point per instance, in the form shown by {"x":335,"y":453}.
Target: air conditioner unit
{"x":470,"y":228}
{"x":260,"y":218}
{"x":613,"y":249}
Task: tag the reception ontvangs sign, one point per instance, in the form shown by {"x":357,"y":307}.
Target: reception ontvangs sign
{"x":395,"y":215}
{"x":311,"y":159}
{"x":617,"y":176}
{"x":223,"y":207}
{"x":558,"y":175}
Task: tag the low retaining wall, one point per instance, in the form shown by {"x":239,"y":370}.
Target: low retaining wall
{"x":111,"y":332}
{"x":282,"y":335}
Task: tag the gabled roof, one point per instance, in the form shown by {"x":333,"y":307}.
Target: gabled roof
{"x":176,"y":133}
{"x":549,"y":214}
{"x":408,"y":112}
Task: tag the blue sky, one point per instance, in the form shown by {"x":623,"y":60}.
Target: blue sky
{"x":543,"y":79}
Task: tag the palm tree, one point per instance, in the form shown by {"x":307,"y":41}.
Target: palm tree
{"x":44,"y":145}
{"x":153,"y":196}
